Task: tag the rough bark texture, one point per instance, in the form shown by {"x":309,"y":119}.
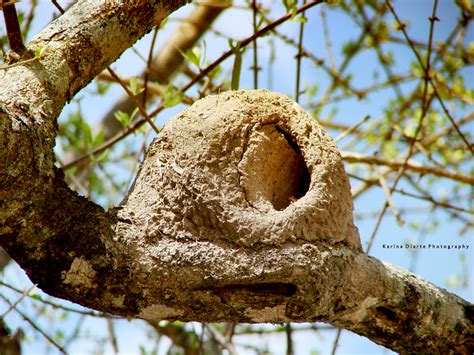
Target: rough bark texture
{"x":258,"y":250}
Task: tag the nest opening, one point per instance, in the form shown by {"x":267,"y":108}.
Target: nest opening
{"x":273,"y":169}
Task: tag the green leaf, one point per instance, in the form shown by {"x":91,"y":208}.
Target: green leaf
{"x":172,"y":96}
{"x":192,"y":55}
{"x":122,"y":117}
{"x":102,"y":88}
{"x":36,"y":297}
{"x":135,"y":88}
{"x":86,"y":129}
{"x":163,"y":23}
{"x":99,"y":138}
{"x":300,"y":19}
{"x":215,"y":72}
{"x":40,"y":51}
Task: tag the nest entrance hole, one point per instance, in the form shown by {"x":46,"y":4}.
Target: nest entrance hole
{"x":273,"y":169}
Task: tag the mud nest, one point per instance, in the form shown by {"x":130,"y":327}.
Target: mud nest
{"x":244,"y":167}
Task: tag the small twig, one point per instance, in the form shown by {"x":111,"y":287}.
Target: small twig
{"x":36,"y":327}
{"x":370,"y":242}
{"x":12,"y":306}
{"x":352,"y":129}
{"x":112,"y":336}
{"x":136,"y":162}
{"x":327,"y":40}
{"x":13,"y":27}
{"x":289,"y":339}
{"x":55,"y":3}
{"x":388,"y":194}
{"x":336,"y":341}
{"x":410,"y":165}
{"x":221,"y":339}
{"x":148,"y":67}
{"x":135,"y":100}
{"x":298,"y":59}
{"x":255,"y":51}
{"x":56,"y":305}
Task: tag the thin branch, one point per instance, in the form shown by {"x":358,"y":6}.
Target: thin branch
{"x":289,"y":339}
{"x":336,"y":341}
{"x":249,"y":40}
{"x":221,"y":339}
{"x":112,"y":335}
{"x":12,"y":306}
{"x":135,"y":100}
{"x":426,"y":68}
{"x":59,"y":306}
{"x":388,"y":194}
{"x":13,"y":27}
{"x":298,"y":59}
{"x":327,"y":40}
{"x":352,"y":129}
{"x":148,"y":67}
{"x":410,"y":165}
{"x":255,"y":51}
{"x":36,"y":327}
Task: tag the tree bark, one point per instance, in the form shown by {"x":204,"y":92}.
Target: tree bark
{"x":201,"y":235}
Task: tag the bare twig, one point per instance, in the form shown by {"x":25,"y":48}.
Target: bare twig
{"x":299,"y":56}
{"x":35,"y":326}
{"x":13,"y":27}
{"x":352,"y":129}
{"x":410,"y":165}
{"x":135,"y":100}
{"x":426,"y":68}
{"x":12,"y":306}
{"x":221,"y":339}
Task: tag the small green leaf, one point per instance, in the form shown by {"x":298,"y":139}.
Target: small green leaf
{"x":86,"y":129}
{"x":40,"y":51}
{"x":99,"y":138}
{"x":215,"y":72}
{"x":102,"y":87}
{"x":299,"y":19}
{"x":172,"y":96}
{"x":163,"y":23}
{"x":135,"y":88}
{"x":192,"y":55}
{"x":36,"y":297}
{"x":122,"y":117}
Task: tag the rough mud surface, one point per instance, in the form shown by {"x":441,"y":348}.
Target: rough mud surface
{"x":245,"y":167}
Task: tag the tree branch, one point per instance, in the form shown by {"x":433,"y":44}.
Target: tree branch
{"x":352,"y":157}
{"x":13,"y":27}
